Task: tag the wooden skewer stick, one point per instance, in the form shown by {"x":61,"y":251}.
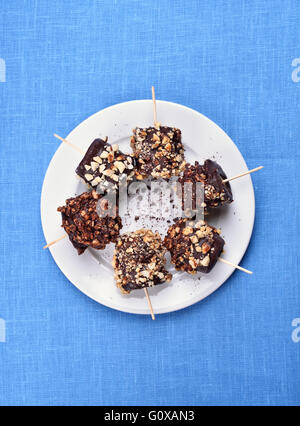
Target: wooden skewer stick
{"x":54,"y":242}
{"x":235,"y":266}
{"x":243,"y":174}
{"x":149,"y":303}
{"x":155,"y":123}
{"x":68,"y":143}
{"x":154,"y":107}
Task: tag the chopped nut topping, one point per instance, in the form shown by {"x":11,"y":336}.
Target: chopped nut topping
{"x":139,"y":261}
{"x":159,"y":152}
{"x":188,"y":230}
{"x":97,"y":159}
{"x":96,"y":181}
{"x":205,"y":262}
{"x":193,"y":263}
{"x":105,"y":162}
{"x":104,"y":154}
{"x":120,"y":166}
{"x":110,"y":157}
{"x":84,"y":226}
{"x":88,"y":177}
{"x":211,"y":175}
{"x":108,"y":172}
{"x":205,"y":247}
{"x":94,"y":165}
{"x":193,"y":249}
{"x":194,"y":239}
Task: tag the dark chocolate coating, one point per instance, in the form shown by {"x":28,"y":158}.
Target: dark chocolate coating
{"x":84,"y":226}
{"x":114,"y":164}
{"x":158,"y":151}
{"x":215,"y":176}
{"x":139,"y":261}
{"x":194,"y":247}
{"x":96,"y":148}
{"x":216,"y":193}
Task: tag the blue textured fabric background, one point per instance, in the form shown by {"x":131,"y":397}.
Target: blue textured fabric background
{"x":230,"y":60}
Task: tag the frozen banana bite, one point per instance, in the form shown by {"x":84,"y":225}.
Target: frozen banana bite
{"x":139,"y":261}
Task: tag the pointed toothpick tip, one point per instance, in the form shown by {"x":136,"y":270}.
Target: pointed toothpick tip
{"x":68,"y":143}
{"x":243,"y":174}
{"x":235,"y":266}
{"x":54,"y":242}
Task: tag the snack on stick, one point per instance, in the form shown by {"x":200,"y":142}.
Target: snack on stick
{"x":103,"y":164}
{"x":216,"y":192}
{"x":139,"y":261}
{"x":158,"y":151}
{"x":83,"y":224}
{"x":194,"y":247}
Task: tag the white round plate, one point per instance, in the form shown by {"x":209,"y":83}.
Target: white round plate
{"x":91,"y":272}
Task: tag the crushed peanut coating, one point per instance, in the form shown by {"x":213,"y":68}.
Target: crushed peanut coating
{"x":139,"y":261}
{"x":216,"y":193}
{"x":158,"y":151}
{"x":104,"y":164}
{"x":194,"y":247}
{"x":83,"y":224}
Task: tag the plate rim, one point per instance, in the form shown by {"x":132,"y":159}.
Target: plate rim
{"x":188,"y":302}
